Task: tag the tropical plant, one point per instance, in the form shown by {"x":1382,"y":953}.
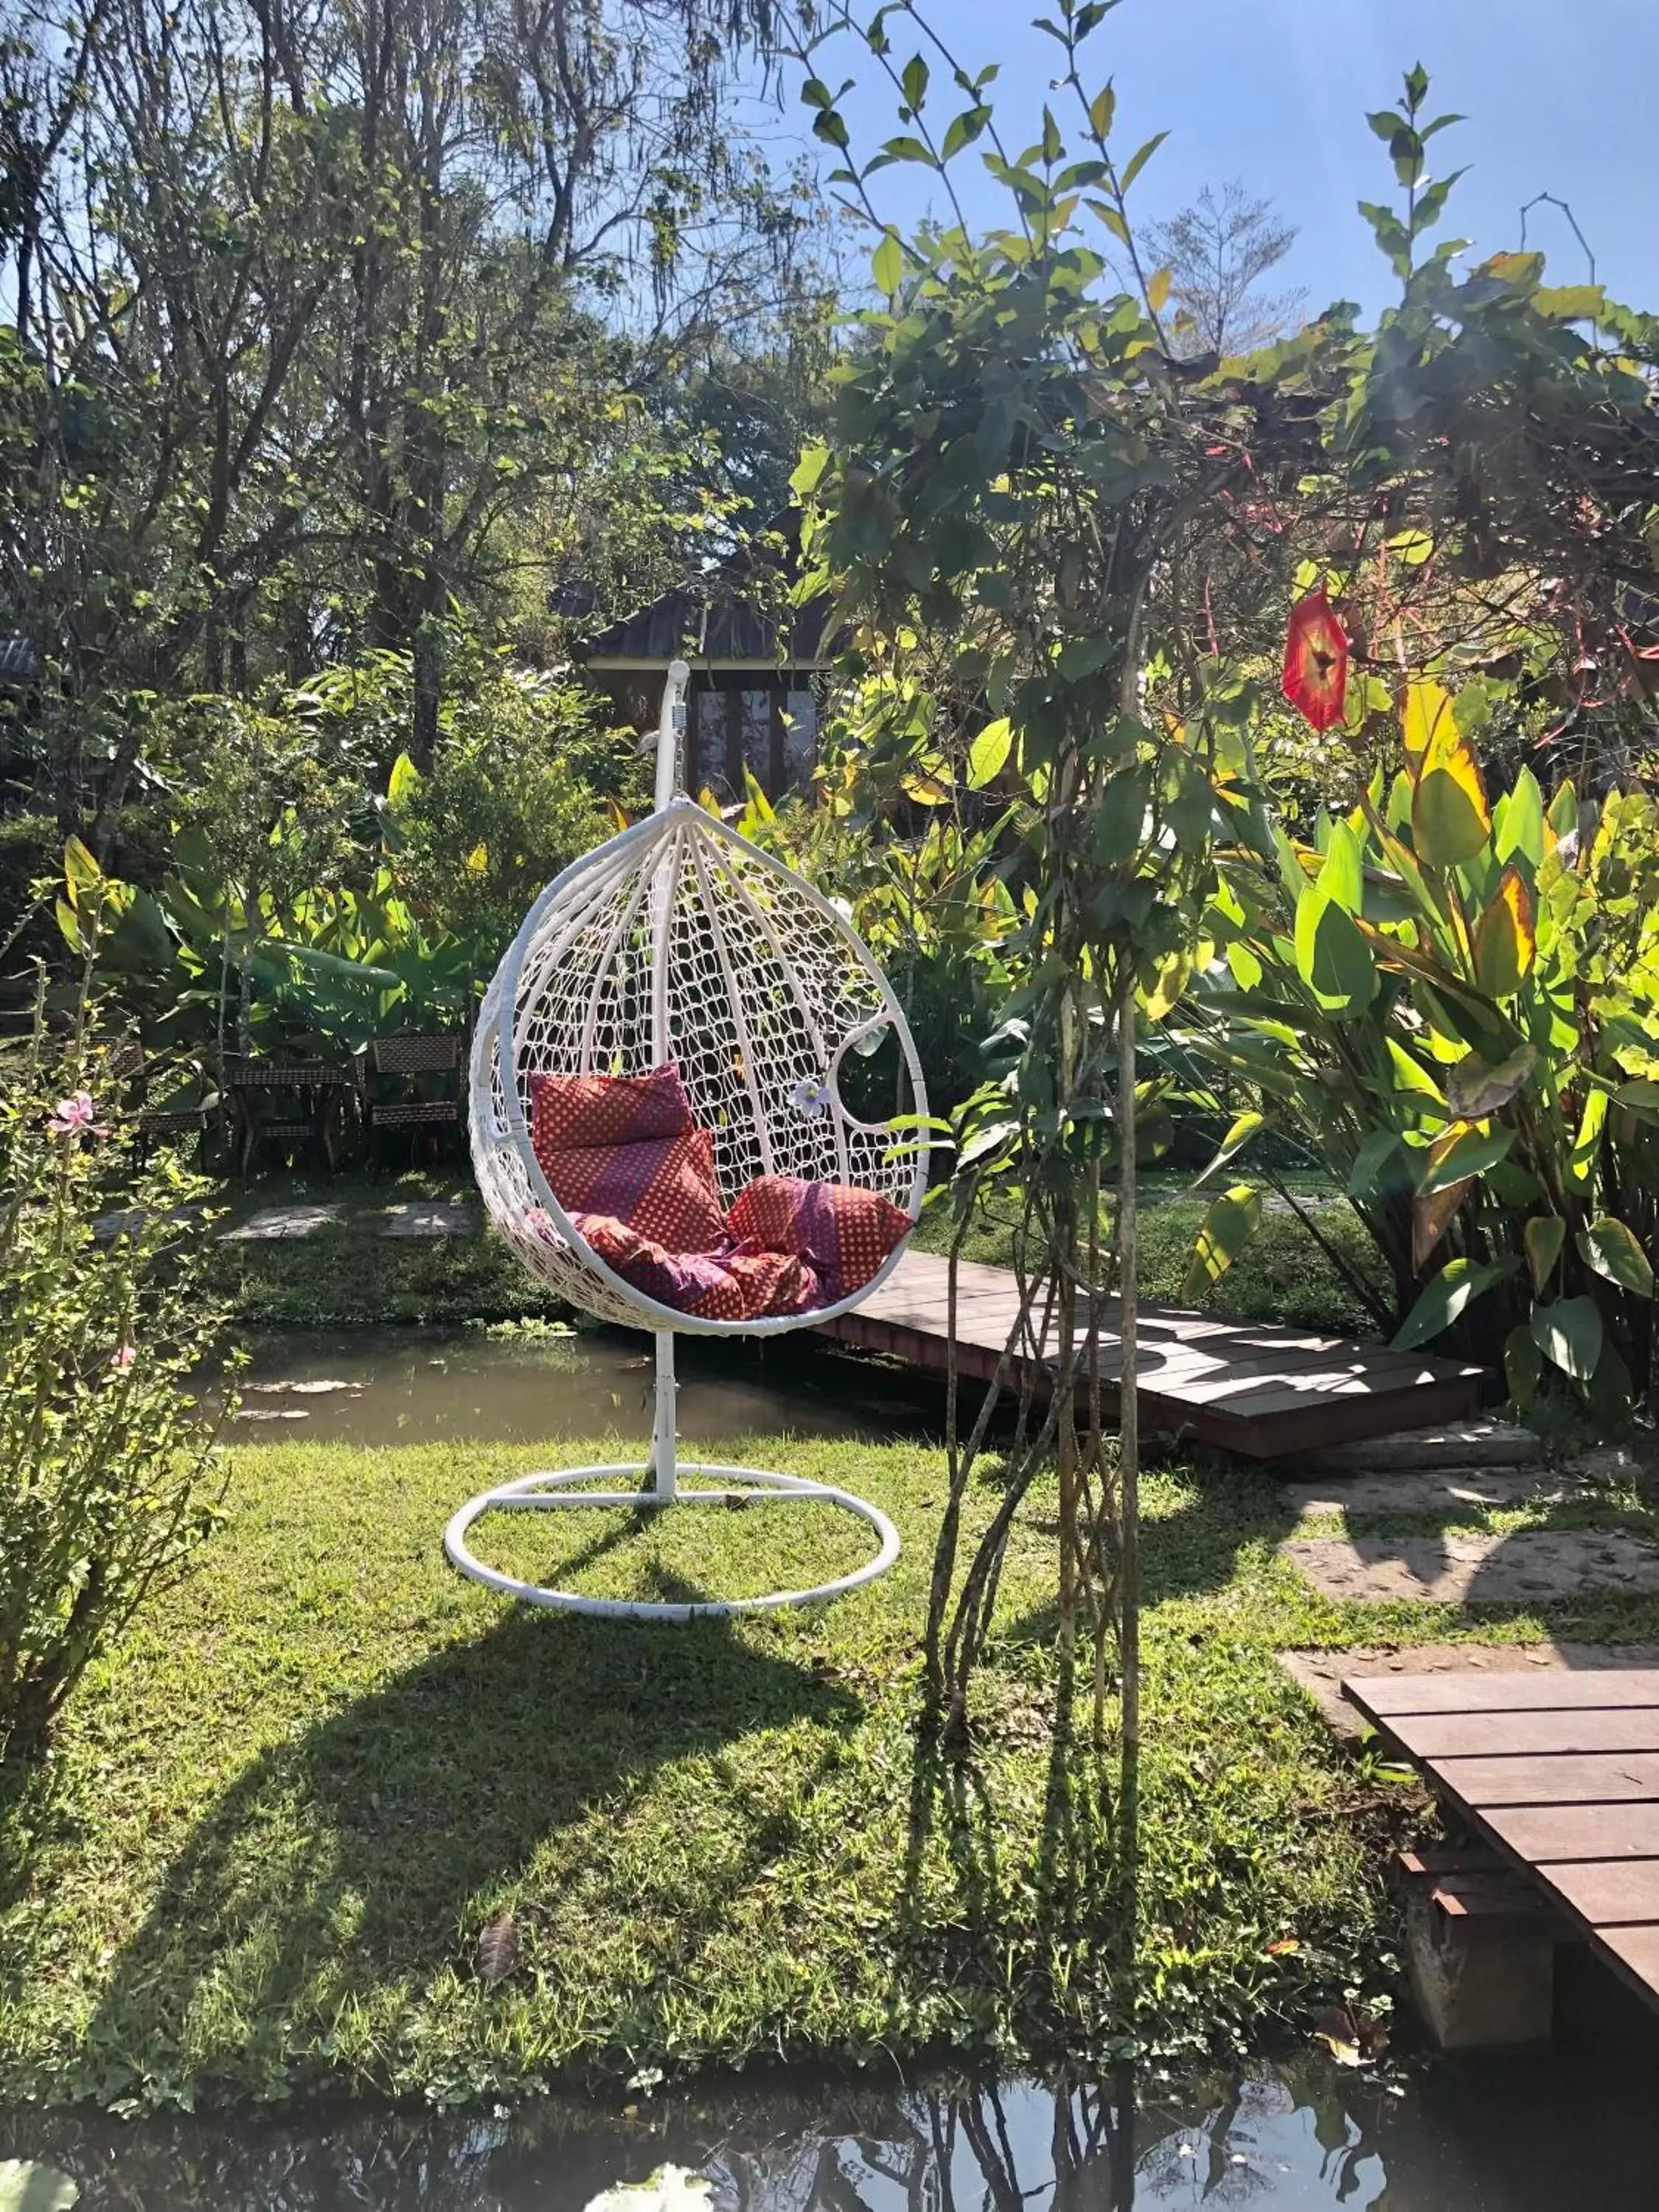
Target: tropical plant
{"x":1454,"y":1003}
{"x":108,"y":1473}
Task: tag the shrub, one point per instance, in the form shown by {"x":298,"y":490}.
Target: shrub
{"x":107,"y":1465}
{"x":1455,"y":1004}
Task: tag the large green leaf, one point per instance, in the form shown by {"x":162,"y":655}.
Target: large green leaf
{"x":1332,"y":957}
{"x":1523,"y":1366}
{"x":1450,"y":819}
{"x":1381,"y":1165}
{"x":1506,"y":938}
{"x":1444,"y":1299}
{"x":1544,"y":1236}
{"x":1610,"y":1249}
{"x":1231,"y":1221}
{"x":1519,"y":821}
{"x":1342,"y":878}
{"x":1463,"y":1152}
{"x":1570,"y":1335}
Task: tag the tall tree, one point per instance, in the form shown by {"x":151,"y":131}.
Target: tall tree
{"x":1217,"y":251}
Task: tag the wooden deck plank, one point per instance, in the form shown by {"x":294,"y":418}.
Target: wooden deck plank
{"x":1256,"y":1390}
{"x":1607,"y":1892}
{"x":1539,"y":1834}
{"x":1556,"y":1778}
{"x":1560,"y":1771}
{"x":1471,"y":1736}
{"x":1542,"y":1689}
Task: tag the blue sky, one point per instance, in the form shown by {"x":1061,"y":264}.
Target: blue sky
{"x":1559,"y":96}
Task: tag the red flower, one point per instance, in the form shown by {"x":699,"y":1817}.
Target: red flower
{"x":1317,"y":662}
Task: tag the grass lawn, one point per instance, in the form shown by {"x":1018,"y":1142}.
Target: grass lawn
{"x":349,"y":1274}
{"x":285,"y":1808}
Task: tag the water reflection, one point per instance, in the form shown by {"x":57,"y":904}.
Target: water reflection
{"x":1508,"y":2136}
{"x":379,"y":1387}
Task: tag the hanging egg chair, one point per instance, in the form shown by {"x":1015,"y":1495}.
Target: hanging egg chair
{"x":658,"y":1131}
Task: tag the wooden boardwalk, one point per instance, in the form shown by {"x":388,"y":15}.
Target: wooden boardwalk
{"x":1560,"y":1772}
{"x":1263,"y":1392}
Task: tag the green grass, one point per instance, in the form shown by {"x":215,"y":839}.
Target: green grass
{"x":283,"y":1809}
{"x":350,"y":1274}
{"x":1281,"y":1276}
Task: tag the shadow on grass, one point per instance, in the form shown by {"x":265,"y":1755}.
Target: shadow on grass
{"x":367,"y":1851}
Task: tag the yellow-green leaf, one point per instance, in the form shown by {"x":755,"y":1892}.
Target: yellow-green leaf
{"x":1610,"y":1249}
{"x":1172,"y":980}
{"x":1450,"y":819}
{"x":1506,"y":938}
{"x":988,"y":753}
{"x":1545,"y":1235}
{"x":1425,"y":709}
{"x":1242,"y":1130}
{"x":1231,"y":1223}
{"x":1444,"y":1299}
{"x":1158,"y":291}
{"x":80,"y":872}
{"x":887,"y":264}
{"x":1520,"y":819}
{"x":404,"y":780}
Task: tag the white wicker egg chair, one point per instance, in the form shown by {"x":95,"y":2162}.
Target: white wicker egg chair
{"x":679,"y":941}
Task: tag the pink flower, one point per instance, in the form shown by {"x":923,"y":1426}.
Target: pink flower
{"x":74,"y":1117}
{"x":122,"y":1357}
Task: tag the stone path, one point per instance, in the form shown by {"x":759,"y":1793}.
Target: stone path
{"x":1435,"y":1476}
{"x":275,"y":1222}
{"x":435,"y":1218}
{"x":415,"y":1217}
{"x":1536,"y":1564}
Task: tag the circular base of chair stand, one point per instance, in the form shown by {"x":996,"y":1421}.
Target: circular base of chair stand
{"x":741,"y":1488}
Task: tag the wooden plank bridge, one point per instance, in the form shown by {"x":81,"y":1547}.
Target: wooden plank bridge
{"x":1260,"y":1391}
{"x":1559,"y":1772}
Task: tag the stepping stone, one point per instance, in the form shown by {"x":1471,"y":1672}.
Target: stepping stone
{"x":1437,"y":1491}
{"x":1465,"y":1443}
{"x":434,"y":1219}
{"x":279,"y":1221}
{"x":1538,"y":1564}
{"x":1321,"y":1674}
{"x":271,"y":1414}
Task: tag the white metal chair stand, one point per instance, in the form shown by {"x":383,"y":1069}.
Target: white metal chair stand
{"x":679,"y":941}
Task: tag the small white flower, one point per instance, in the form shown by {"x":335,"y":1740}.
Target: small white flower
{"x":810,"y":1097}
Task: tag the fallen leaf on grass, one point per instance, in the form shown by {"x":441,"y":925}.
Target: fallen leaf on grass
{"x":498,"y":1948}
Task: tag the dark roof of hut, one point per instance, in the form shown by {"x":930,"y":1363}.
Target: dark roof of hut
{"x":717,"y":618}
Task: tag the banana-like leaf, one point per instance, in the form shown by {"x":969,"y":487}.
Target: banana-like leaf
{"x":1433,"y":1214}
{"x":1611,"y":1250}
{"x":1478,"y":1087}
{"x":1243,"y":1130}
{"x":1444,"y":1299}
{"x":1570,"y":1335}
{"x":1450,"y":819}
{"x":1506,"y":938}
{"x":1544,"y":1236}
{"x":1232,"y":1220}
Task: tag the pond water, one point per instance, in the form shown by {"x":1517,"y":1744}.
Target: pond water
{"x":1495,"y":2136}
{"x":430,"y":1386}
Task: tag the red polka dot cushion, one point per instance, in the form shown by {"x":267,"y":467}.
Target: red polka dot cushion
{"x":719,"y":1285}
{"x":842,"y":1233}
{"x":662,"y":1187}
{"x":578,"y":1110}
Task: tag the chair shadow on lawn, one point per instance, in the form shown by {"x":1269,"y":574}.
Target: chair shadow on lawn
{"x":368,"y":1851}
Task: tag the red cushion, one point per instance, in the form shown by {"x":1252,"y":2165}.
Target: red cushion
{"x":577,"y":1110}
{"x":720,"y":1285}
{"x":662,"y":1187}
{"x":843,"y":1233}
